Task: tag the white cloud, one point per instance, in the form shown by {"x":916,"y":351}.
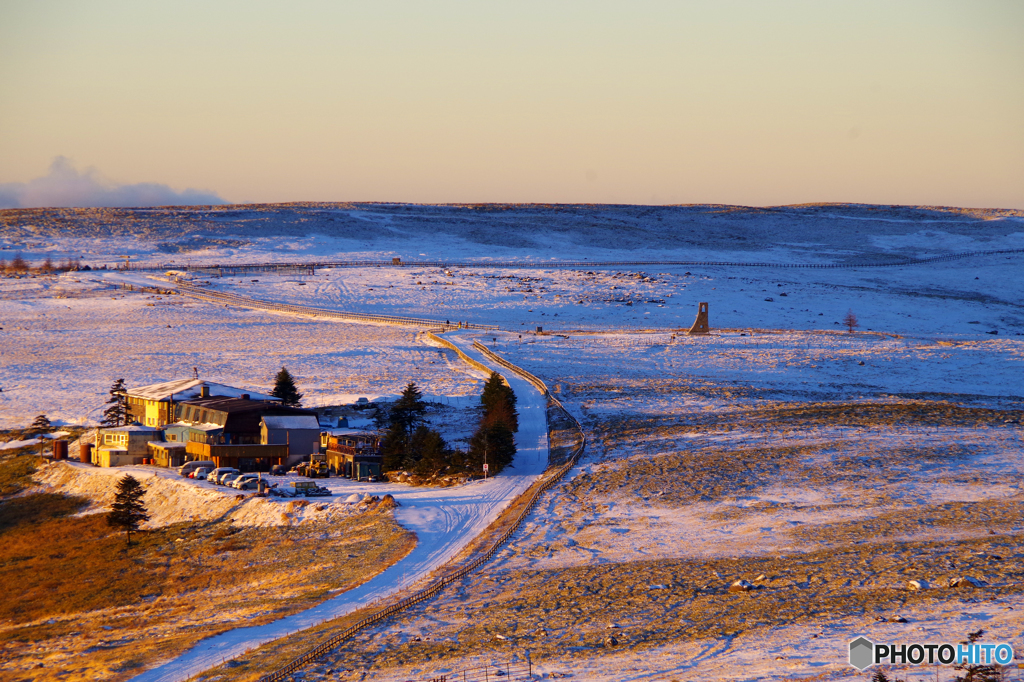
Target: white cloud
{"x":65,"y":185}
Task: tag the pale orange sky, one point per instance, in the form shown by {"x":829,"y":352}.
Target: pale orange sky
{"x":912,"y":102}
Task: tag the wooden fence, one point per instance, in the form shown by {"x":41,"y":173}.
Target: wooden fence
{"x":301,"y":267}
{"x":245,"y":302}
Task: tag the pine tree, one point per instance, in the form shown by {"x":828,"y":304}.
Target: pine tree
{"x":284,"y":388}
{"x":41,"y":424}
{"x":434,"y":453}
{"x":128,"y":511}
{"x":408,"y":409}
{"x":493,"y":444}
{"x":116,"y":413}
{"x":497,"y":398}
{"x":403,"y":416}
{"x":18,"y":263}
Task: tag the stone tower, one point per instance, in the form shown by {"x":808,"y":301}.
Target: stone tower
{"x":700,"y":325}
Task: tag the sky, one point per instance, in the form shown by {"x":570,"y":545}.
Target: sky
{"x":641,"y":102}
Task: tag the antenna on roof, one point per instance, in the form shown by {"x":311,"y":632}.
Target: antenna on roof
{"x":195,"y":372}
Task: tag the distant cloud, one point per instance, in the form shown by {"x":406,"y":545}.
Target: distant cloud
{"x":65,"y":186}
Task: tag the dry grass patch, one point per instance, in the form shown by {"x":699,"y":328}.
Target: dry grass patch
{"x":88,"y":606}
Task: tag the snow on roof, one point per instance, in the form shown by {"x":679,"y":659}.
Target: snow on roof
{"x":349,"y":432}
{"x":292,"y":421}
{"x":131,"y":427}
{"x":185,"y":389}
{"x":166,"y":444}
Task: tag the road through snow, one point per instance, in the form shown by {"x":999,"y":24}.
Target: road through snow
{"x":444,"y":520}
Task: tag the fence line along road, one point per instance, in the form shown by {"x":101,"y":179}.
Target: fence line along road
{"x":309,"y":267}
{"x":516,"y":514}
{"x":246,"y":302}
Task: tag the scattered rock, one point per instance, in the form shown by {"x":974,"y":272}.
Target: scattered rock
{"x":354,"y":498}
{"x":760,"y":578}
{"x":610,"y":640}
{"x":740,"y":586}
{"x":897,"y":619}
{"x":612,"y":626}
{"x":861,"y":363}
{"x":917,"y":585}
{"x":966,"y":582}
{"x":770,"y":299}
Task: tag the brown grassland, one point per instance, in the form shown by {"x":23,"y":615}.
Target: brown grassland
{"x":85,"y":606}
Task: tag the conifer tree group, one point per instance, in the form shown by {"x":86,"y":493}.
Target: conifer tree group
{"x":409,"y":444}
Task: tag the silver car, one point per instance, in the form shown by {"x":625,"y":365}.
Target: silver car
{"x":246,"y":482}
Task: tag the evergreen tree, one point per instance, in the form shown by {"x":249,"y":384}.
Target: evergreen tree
{"x":18,"y":263}
{"x":434,"y":454}
{"x":497,"y":398}
{"x":284,"y":388}
{"x":128,"y":511}
{"x":403,"y":417}
{"x":41,"y":424}
{"x":492,"y":444}
{"x":393,"y":448}
{"x":116,"y":413}
{"x":408,"y":409}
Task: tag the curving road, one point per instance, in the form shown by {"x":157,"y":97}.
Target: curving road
{"x":444,"y":520}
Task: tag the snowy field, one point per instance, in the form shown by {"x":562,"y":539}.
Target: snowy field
{"x":804,"y":442}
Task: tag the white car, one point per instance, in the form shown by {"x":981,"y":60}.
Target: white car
{"x":246,"y":482}
{"x":200,"y":474}
{"x":218,"y":473}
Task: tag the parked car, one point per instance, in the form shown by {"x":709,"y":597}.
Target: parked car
{"x":188,"y":468}
{"x":229,"y":478}
{"x":200,"y":474}
{"x":244,"y":479}
{"x":279,"y":470}
{"x":222,"y":479}
{"x":215,"y":475}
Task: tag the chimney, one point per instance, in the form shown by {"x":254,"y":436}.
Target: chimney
{"x":204,"y":391}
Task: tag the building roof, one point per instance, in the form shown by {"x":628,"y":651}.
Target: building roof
{"x":292,"y":421}
{"x":134,"y":428}
{"x":185,"y":389}
{"x":166,"y":443}
{"x":238,"y":405}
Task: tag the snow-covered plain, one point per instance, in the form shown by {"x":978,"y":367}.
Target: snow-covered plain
{"x":625,"y":363}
